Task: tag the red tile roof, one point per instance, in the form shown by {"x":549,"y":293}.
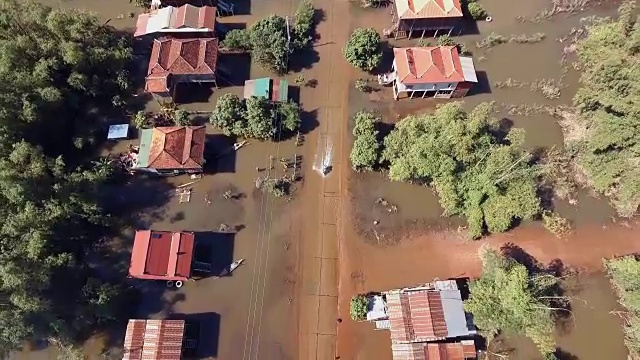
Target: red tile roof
{"x":153,"y":340}
{"x":177,"y":147}
{"x":180,"y":57}
{"x":421,"y":65}
{"x":416,"y":316}
{"x":162,"y":255}
{"x":433,"y":351}
{"x":425,"y":9}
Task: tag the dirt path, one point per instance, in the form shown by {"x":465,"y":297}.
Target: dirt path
{"x":366,"y":267}
{"x":317,"y":279}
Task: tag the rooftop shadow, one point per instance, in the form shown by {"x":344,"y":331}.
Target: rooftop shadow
{"x":215,"y":248}
{"x":188,"y":93}
{"x":483,"y":86}
{"x":233,"y":68}
{"x":204,"y":327}
{"x":220,"y":156}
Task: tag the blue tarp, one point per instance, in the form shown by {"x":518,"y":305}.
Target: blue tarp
{"x":119,"y":131}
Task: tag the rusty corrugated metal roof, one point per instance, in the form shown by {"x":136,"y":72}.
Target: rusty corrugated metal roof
{"x":416,"y":316}
{"x":153,"y":340}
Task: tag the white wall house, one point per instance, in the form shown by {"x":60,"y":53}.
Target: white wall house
{"x":431,"y":72}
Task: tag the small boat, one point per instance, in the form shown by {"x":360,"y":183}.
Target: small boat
{"x":235,"y":265}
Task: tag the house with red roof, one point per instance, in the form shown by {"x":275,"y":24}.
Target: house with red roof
{"x":181,"y":60}
{"x":171,"y":150}
{"x":177,"y":20}
{"x":162,"y":255}
{"x":422,"y":16}
{"x":430,"y":72}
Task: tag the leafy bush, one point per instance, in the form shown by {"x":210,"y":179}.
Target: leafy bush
{"x":366,"y":149}
{"x":362,"y":85}
{"x":445,"y":40}
{"x":237,"y":40}
{"x":141,"y":120}
{"x":556,"y":224}
{"x":181,"y":118}
{"x":363,"y":49}
{"x":476,"y":11}
{"x":277,"y":187}
{"x":491,"y":40}
{"x":229,"y":115}
{"x":509,"y":299}
{"x":475,"y":171}
{"x":358,"y":307}
{"x":625,"y":276}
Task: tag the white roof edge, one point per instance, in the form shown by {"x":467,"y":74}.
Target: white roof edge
{"x":468,"y":69}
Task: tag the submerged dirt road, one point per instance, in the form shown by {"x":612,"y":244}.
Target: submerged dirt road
{"x":321,"y":207}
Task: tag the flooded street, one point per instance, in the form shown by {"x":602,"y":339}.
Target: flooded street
{"x":306,"y":257}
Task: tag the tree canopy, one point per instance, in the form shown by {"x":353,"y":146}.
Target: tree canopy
{"x":58,"y":69}
{"x":255,"y":117}
{"x":366,"y":149}
{"x":477,"y":170}
{"x":508,"y":298}
{"x":55,"y":66}
{"x":363,"y":50}
{"x":609,"y":100}
{"x":625,"y":276}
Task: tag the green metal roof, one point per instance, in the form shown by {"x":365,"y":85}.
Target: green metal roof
{"x":146,"y":137}
{"x":261,"y":87}
{"x":283,"y":93}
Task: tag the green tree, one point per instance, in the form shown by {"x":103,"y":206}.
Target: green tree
{"x":229,"y":115}
{"x":49,"y":222}
{"x":476,"y":171}
{"x":260,"y":118}
{"x":609,"y":101}
{"x":269,"y":46}
{"x":303,"y":25}
{"x":509,"y":299}
{"x":289,"y":116}
{"x":358,"y":307}
{"x":237,"y":40}
{"x":366,"y":149}
{"x":363,"y":50}
{"x":59,"y":66}
{"x":625,"y":276}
